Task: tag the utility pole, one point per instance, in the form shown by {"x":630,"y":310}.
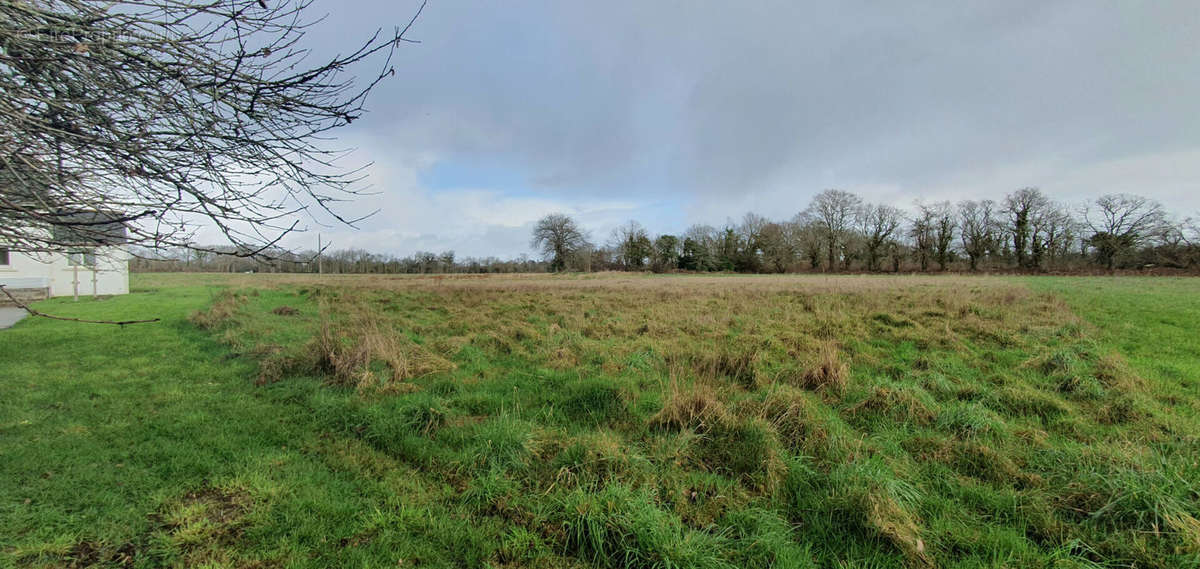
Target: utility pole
{"x":320,"y":269}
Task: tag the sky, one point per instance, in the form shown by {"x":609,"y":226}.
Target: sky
{"x":675,"y":113}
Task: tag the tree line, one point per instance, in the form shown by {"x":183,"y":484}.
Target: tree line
{"x":231,"y":260}
{"x":840,"y":232}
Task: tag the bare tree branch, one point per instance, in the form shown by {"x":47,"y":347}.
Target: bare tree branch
{"x":169,"y":115}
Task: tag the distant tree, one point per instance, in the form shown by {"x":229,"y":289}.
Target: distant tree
{"x":778,"y":246}
{"x":923,"y":236}
{"x":699,"y":248}
{"x":632,"y":245}
{"x":749,"y":255}
{"x":691,"y":258}
{"x":809,"y":239}
{"x":426,"y":260}
{"x":603,"y":259}
{"x":729,"y":245}
{"x":1022,"y":208}
{"x":1119,"y":223}
{"x":665,"y":255}
{"x":1053,"y":236}
{"x":832,"y":212}
{"x":557,"y":236}
{"x":446,"y":259}
{"x":945,"y":223}
{"x":581,"y":258}
{"x":896,"y":252}
{"x":978,"y":229}
{"x":877,"y":224}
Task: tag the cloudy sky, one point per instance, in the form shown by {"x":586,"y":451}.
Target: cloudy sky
{"x":674,"y":113}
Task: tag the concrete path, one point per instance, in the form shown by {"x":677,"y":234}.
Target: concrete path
{"x":10,"y":315}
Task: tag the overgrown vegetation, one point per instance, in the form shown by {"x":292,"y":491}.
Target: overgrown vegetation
{"x":646,"y":422}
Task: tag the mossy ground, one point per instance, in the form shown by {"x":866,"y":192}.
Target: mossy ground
{"x":610,"y":420}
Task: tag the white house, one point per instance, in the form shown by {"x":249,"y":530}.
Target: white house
{"x":89,"y":258}
{"x":93,"y":271}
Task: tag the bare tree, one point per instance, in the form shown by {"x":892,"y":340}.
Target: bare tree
{"x":978,"y":229}
{"x":945,"y":223}
{"x":833,"y":211}
{"x":1052,"y":236}
{"x":1022,"y":207}
{"x":632,"y":245}
{"x":558,"y":236}
{"x":777,"y":241}
{"x":808,"y":239}
{"x":924,"y":236}
{"x":141,"y":120}
{"x":1119,"y":223}
{"x":878,"y":225}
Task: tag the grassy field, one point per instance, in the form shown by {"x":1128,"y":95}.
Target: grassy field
{"x":607,"y":421}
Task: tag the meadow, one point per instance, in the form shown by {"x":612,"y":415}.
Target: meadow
{"x":607,"y":420}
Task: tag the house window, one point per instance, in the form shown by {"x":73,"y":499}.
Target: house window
{"x":82,"y":259}
{"x":4,"y":256}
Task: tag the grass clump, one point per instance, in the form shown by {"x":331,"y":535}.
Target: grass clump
{"x":897,"y":405}
{"x":697,"y":407}
{"x":618,"y":526}
{"x":826,"y":370}
{"x":746,"y":451}
{"x":596,"y":402}
{"x":221,"y":311}
{"x":863,"y":498}
{"x":368,"y":354}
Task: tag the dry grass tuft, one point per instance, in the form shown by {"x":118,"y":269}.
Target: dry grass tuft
{"x":367,"y":354}
{"x":1114,"y":372}
{"x":731,"y":362}
{"x":885,"y":515}
{"x":827,"y":371}
{"x":696,"y":406}
{"x":986,"y":463}
{"x":898,"y":405}
{"x":798,"y":422}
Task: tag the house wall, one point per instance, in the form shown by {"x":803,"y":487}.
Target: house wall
{"x":111,"y":273}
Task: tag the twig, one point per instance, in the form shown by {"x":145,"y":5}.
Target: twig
{"x":33,"y":312}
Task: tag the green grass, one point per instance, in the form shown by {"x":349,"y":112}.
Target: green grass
{"x":1153,"y":322}
{"x":610,"y":422}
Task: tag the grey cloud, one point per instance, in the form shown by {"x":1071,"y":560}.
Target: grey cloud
{"x":753,"y":103}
